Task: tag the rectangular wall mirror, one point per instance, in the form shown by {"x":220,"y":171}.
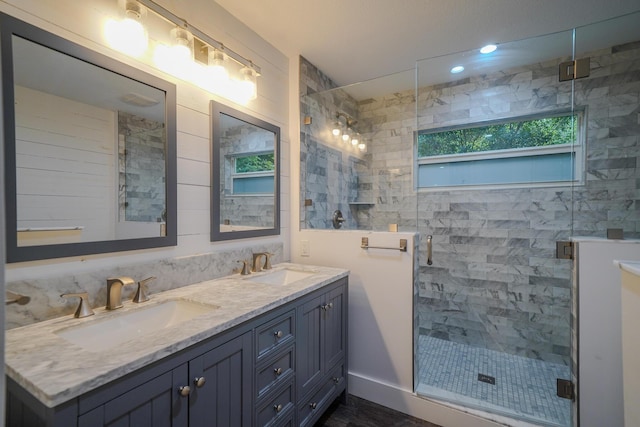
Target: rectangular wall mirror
{"x":90,"y":150}
{"x":245,"y":175}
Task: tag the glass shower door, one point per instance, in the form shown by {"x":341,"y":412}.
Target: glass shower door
{"x":499,"y":149}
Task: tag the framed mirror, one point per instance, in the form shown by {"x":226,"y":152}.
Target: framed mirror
{"x":245,"y":175}
{"x":90,"y":149}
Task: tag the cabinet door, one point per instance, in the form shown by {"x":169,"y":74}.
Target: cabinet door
{"x":155,"y":403}
{"x":309,"y":345}
{"x":224,"y":397}
{"x":334,"y":327}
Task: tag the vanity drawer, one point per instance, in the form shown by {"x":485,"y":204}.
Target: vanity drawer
{"x":309,"y":409}
{"x":274,"y":372}
{"x":276,"y":409}
{"x":275,"y":334}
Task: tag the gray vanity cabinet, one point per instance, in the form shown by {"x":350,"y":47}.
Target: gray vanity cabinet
{"x":218,"y":393}
{"x":282,"y":368}
{"x":321,"y":356}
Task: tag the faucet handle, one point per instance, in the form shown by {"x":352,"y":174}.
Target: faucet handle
{"x":267,"y":261}
{"x":141,"y":293}
{"x":84,"y":309}
{"x":246,"y":270}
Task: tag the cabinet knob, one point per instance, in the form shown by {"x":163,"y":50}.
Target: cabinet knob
{"x":336,"y":380}
{"x":184,"y":390}
{"x":277,"y":371}
{"x":313,"y":405}
{"x":199,"y":381}
{"x":278,"y":334}
{"x":326,"y":307}
{"x":277,"y":408}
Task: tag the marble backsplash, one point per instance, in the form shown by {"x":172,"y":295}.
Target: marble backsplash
{"x":170,"y":273}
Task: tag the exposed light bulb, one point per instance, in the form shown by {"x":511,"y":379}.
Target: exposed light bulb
{"x":182,"y":41}
{"x":336,"y":129}
{"x":247,"y":85}
{"x":346,"y":135}
{"x":355,"y":140}
{"x":362,"y":146}
{"x":128,"y":35}
{"x":217,"y":70}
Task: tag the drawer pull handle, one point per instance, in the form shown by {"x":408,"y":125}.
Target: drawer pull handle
{"x":336,"y":380}
{"x":278,"y":371}
{"x":199,"y":381}
{"x":278,"y":334}
{"x":313,"y":405}
{"x":184,"y":390}
{"x":277,"y":408}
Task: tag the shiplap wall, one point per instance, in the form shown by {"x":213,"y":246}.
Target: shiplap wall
{"x":65,"y":160}
{"x":82,"y":23}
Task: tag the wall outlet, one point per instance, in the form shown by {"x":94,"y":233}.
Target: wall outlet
{"x":305,"y":248}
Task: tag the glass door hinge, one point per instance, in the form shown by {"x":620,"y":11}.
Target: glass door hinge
{"x":572,"y":70}
{"x":565,"y":389}
{"x":564,"y":249}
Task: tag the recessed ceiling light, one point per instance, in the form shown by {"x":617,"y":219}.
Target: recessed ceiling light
{"x":457,"y":69}
{"x":488,"y":48}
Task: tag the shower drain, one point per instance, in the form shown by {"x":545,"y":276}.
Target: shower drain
{"x":487,"y":379}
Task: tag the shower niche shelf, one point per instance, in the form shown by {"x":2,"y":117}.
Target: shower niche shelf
{"x":361,"y":203}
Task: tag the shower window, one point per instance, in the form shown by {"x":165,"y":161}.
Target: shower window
{"x":526,"y":150}
{"x":253,"y":174}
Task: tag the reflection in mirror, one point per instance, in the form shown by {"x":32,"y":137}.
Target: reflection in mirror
{"x":89,"y":152}
{"x":245,"y":175}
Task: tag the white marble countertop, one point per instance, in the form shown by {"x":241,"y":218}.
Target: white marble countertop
{"x":632,"y":267}
{"x":55,"y":371}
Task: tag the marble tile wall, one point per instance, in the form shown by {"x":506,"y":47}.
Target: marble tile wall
{"x":328,"y":166}
{"x":46,"y":302}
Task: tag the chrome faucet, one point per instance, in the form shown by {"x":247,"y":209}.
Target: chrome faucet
{"x":114,"y":291}
{"x":256,"y":261}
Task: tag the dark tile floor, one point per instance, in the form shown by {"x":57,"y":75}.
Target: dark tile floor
{"x":362,"y":413}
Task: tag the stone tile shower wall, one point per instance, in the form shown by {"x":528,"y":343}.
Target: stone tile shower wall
{"x":141,"y":165}
{"x":328,"y":166}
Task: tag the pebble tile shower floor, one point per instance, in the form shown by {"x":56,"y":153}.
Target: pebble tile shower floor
{"x":524,"y":388}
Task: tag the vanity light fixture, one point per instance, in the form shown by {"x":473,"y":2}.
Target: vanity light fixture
{"x":211,"y":72}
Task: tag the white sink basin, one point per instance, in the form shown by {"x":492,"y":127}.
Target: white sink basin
{"x":104,"y":334}
{"x":281,"y":277}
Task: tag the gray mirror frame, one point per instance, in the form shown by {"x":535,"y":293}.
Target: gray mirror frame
{"x":216,"y":235}
{"x":10,"y":26}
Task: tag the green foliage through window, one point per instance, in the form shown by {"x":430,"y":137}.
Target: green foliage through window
{"x":255,"y":163}
{"x":499,"y":136}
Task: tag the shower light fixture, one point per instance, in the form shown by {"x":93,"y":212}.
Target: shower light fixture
{"x":337,"y":128}
{"x":488,"y":49}
{"x":362,"y":146}
{"x":356,"y":139}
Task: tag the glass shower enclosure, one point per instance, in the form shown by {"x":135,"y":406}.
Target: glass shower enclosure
{"x":491,"y":165}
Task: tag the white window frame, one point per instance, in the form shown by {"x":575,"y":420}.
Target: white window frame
{"x":577,"y":148}
{"x":242,"y":175}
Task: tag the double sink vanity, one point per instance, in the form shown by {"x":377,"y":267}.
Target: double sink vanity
{"x":267,"y":348}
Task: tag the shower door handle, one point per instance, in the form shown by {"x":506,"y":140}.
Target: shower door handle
{"x":429,"y":249}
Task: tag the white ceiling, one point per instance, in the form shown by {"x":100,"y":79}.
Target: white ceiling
{"x":356,"y":40}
